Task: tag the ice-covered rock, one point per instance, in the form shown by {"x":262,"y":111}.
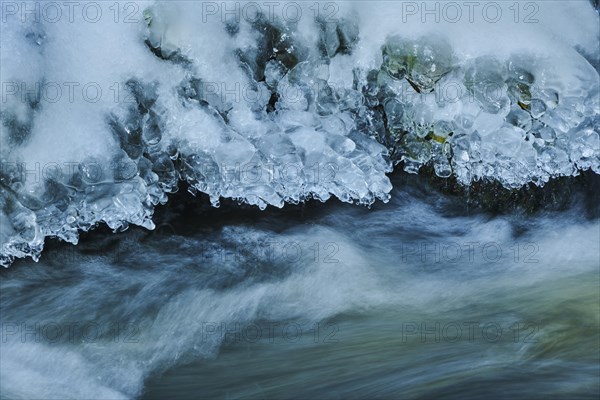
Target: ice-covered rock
{"x":269,"y":109}
{"x":507,"y":109}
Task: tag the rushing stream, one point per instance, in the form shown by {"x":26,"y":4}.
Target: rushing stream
{"x":420,"y":298}
{"x":293,"y":200}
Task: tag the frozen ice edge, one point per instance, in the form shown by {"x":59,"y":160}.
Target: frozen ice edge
{"x":79,"y":202}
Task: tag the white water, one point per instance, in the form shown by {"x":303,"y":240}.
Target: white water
{"x":75,"y":159}
{"x":167,"y":291}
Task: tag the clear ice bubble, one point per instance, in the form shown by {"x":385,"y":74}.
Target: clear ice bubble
{"x":518,"y":72}
{"x":550,"y":97}
{"x":416,"y":149}
{"x":519,"y":118}
{"x":485,"y":79}
{"x":423,"y":62}
{"x":442,"y":167}
{"x":537,"y":108}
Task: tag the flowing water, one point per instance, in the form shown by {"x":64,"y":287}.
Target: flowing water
{"x":417,"y":299}
{"x":355,"y":149}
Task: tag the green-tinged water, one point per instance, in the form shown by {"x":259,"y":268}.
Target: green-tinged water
{"x":418,"y":298}
{"x":300,"y":200}
{"x":540,"y":341}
